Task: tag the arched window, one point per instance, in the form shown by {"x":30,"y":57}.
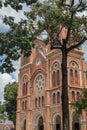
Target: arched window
{"x":55,"y":74}
{"x":39,"y":101}
{"x":24,"y":85}
{"x":74,"y":72}
{"x":76,"y":77}
{"x":35,"y":102}
{"x":54,"y":98}
{"x":23,"y":105}
{"x":42,"y":100}
{"x":26,"y":105}
{"x":22,"y":90}
{"x":54,"y":79}
{"x":58,"y":97}
{"x":58,"y":77}
{"x":78,"y":96}
{"x":71,"y":76}
{"x":73,"y":96}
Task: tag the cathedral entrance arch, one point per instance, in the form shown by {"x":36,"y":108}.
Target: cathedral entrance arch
{"x":40,"y":124}
{"x":76,"y":122}
{"x":23,"y":124}
{"x":56,"y":122}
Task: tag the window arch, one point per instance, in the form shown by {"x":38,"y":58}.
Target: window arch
{"x":35,"y":102}
{"x":42,"y":100}
{"x":58,"y":77}
{"x":78,"y":96}
{"x":54,"y":98}
{"x":39,"y":101}
{"x":23,"y":105}
{"x":54,"y":78}
{"x":24,"y":85}
{"x":58,"y":97}
{"x":26,"y":105}
{"x":73,"y":96}
{"x":74,"y":73}
{"x":71,"y":76}
{"x":55,"y":74}
{"x":76,"y":76}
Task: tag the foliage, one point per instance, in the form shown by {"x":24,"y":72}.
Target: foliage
{"x":16,"y":40}
{"x":66,"y":29}
{"x":54,"y":18}
{"x":10,"y":96}
{"x":51,"y":17}
{"x":3,"y":115}
{"x":82,"y":103}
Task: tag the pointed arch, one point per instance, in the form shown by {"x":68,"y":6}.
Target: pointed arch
{"x":40,"y":124}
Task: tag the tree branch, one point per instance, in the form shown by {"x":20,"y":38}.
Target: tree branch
{"x":55,"y":47}
{"x":69,"y":28}
{"x":76,"y":45}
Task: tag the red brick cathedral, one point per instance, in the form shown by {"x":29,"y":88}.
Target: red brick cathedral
{"x":39,"y":93}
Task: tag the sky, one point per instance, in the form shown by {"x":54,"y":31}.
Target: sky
{"x":6,"y":78}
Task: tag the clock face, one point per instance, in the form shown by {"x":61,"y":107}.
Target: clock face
{"x":39,"y":83}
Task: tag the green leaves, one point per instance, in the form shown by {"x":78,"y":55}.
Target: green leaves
{"x":10,"y":96}
{"x":18,"y":4}
{"x":53,"y":17}
{"x":16,"y":41}
{"x":82,"y":103}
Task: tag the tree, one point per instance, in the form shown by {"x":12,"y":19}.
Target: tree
{"x":10,"y":104}
{"x":54,"y":18}
{"x":3,"y":115}
{"x":81,"y":104}
{"x":15,"y":40}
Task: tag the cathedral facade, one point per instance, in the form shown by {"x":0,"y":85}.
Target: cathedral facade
{"x":39,"y":93}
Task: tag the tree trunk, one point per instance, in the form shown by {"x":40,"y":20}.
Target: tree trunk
{"x":65,"y":104}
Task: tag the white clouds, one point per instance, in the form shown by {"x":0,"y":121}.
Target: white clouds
{"x":11,"y":12}
{"x":8,"y":78}
{"x":16,"y":66}
{"x":4,"y":79}
{"x":84,"y":48}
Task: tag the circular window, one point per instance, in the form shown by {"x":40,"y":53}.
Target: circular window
{"x":39,"y":83}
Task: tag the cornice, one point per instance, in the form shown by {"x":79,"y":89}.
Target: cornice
{"x":53,"y":52}
{"x":25,"y":66}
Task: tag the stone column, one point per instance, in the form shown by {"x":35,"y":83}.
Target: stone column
{"x":18,"y":122}
{"x":29,"y":120}
{"x":48,"y":119}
